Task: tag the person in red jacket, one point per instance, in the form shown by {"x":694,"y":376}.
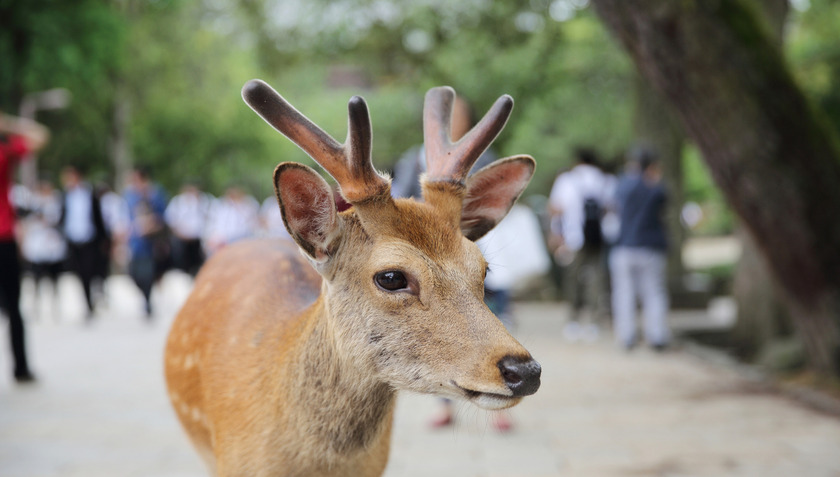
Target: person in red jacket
{"x":18,"y":138}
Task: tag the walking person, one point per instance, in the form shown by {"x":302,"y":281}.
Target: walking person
{"x":43,"y":246}
{"x":115,"y":215}
{"x":186,"y":215}
{"x":578,"y":202}
{"x":638,"y":260}
{"x":18,"y":138}
{"x":148,"y":240}
{"x":84,"y":229}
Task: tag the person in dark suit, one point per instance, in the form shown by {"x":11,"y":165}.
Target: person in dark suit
{"x":83,"y":227}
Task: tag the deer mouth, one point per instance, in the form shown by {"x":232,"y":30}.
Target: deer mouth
{"x":487,"y":400}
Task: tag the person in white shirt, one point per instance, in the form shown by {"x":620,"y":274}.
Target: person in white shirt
{"x":115,"y":214}
{"x":578,"y":202}
{"x":233,"y":217}
{"x":516,"y":254}
{"x":43,"y":247}
{"x":186,"y":215}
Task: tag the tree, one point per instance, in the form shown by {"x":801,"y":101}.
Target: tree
{"x":770,"y":152}
{"x":762,"y":330}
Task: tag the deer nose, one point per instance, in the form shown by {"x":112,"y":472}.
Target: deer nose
{"x":521,"y":375}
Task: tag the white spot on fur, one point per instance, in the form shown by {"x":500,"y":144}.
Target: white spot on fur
{"x":196,"y":414}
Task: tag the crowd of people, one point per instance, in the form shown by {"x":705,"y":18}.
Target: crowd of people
{"x":89,"y":230}
{"x":603,"y":225}
{"x":604,"y":230}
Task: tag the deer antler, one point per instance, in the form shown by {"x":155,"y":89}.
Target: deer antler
{"x":349,"y":163}
{"x":448,"y":162}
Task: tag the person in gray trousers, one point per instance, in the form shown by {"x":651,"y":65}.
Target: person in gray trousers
{"x":638,"y":259}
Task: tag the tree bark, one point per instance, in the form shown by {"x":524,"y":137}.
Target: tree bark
{"x":119,"y":143}
{"x":772,"y":155}
{"x":762,"y":317}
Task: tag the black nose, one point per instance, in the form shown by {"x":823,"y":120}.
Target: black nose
{"x":522,"y":375}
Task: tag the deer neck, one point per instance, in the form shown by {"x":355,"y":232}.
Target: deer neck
{"x":341,"y":408}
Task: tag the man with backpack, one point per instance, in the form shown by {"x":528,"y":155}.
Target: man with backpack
{"x":578,"y":202}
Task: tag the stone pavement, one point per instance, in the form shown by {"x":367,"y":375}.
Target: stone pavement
{"x":100,"y":409}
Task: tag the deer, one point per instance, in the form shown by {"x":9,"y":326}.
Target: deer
{"x":287,"y":356}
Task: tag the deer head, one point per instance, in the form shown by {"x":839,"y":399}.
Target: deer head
{"x":403,"y":279}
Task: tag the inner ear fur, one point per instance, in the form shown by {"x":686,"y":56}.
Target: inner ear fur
{"x":492,"y":191}
{"x":308,"y":209}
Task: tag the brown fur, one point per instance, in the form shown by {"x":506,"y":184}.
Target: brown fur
{"x":285,"y":361}
{"x":269,"y":377}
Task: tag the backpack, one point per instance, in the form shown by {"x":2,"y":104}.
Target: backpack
{"x":593,"y":236}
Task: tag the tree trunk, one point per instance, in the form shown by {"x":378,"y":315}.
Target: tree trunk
{"x":762,"y":318}
{"x":119,"y":144}
{"x":772,"y":156}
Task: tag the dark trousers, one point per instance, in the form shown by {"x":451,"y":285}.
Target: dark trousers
{"x":586,"y":282}
{"x":10,"y":275}
{"x":187,"y":255}
{"x":84,"y":261}
{"x":143,"y":271}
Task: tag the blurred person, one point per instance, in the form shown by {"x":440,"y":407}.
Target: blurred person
{"x":516,"y":254}
{"x":271,"y":219}
{"x":412,"y":163}
{"x":43,"y":246}
{"x":233,"y":217}
{"x":406,"y":183}
{"x":116,"y":217}
{"x":84,"y":229}
{"x":638,"y":260}
{"x":578,"y":201}
{"x":18,"y":138}
{"x":148,"y":241}
{"x":186,"y":215}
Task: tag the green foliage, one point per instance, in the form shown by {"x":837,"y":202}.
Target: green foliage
{"x":178,"y":67}
{"x":814,"y":54}
{"x":698,"y":187}
{"x":76,"y":45}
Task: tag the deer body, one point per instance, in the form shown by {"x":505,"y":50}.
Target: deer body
{"x":284,"y":363}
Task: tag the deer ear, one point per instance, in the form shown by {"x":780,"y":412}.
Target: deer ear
{"x":308,"y":209}
{"x":492,"y":191}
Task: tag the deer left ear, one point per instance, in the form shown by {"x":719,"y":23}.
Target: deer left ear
{"x":492,"y":191}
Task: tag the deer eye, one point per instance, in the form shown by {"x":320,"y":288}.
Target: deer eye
{"x":392,"y":280}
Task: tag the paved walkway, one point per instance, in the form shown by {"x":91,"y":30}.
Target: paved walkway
{"x":100,"y":409}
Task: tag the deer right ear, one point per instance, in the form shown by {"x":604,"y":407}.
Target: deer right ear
{"x":308,"y":208}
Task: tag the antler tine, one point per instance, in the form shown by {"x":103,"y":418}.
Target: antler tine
{"x":349,"y":163}
{"x":450,"y":162}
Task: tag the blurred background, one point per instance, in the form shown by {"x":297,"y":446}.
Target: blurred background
{"x":739,"y":99}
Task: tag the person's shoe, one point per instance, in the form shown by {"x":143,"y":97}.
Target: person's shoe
{"x":502,"y":422}
{"x":590,"y":333}
{"x":659,"y":347}
{"x":25,"y":377}
{"x":571,"y":331}
{"x":443,"y":419}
